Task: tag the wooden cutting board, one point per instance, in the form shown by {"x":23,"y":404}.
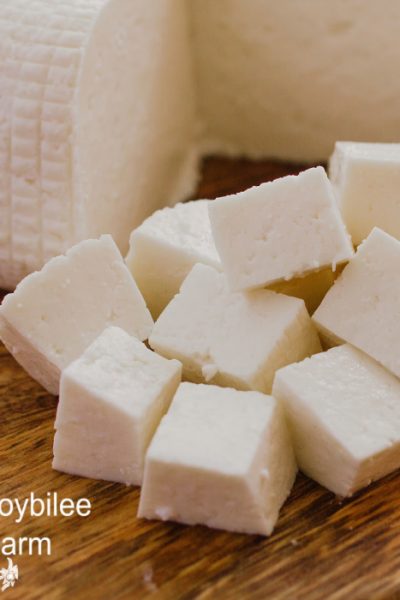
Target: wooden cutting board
{"x":321,"y":548}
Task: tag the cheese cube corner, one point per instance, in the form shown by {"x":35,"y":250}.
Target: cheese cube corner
{"x":166,"y":246}
{"x":220,"y":458}
{"x":232,"y":339}
{"x":343,"y":412}
{"x":362,"y":307}
{"x":366,"y":179}
{"x":54,"y":314}
{"x":111,"y":401}
{"x":279,"y":230}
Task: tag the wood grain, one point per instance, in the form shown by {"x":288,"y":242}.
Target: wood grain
{"x":321,"y":548}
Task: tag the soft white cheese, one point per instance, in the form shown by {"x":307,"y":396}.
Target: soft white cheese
{"x":231,"y":338}
{"x":166,"y":246}
{"x":363,"y":306}
{"x":366,"y":178}
{"x":111,"y":401}
{"x":343,"y":410}
{"x":286,"y":79}
{"x":220,"y":458}
{"x":55,"y":314}
{"x":97,"y":122}
{"x":279,"y":230}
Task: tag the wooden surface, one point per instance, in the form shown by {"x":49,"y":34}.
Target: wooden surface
{"x":321,"y":548}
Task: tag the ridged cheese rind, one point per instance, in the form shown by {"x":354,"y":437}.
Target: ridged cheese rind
{"x":80,"y":116}
{"x":41,"y":55}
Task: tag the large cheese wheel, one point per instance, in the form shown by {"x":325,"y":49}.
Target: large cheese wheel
{"x":96,"y":122}
{"x":287,"y":78}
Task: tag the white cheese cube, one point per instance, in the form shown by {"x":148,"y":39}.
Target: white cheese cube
{"x":55,"y":314}
{"x":366,"y":178}
{"x":220,"y":458}
{"x":231,"y":338}
{"x":111,"y":401}
{"x":166,"y":246}
{"x":343,"y":410}
{"x":363,"y":307}
{"x":279,"y":230}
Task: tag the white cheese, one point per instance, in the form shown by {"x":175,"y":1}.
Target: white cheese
{"x":366,"y":178}
{"x":363,"y":307}
{"x":55,"y":314}
{"x":170,"y":242}
{"x":230,"y":338}
{"x":220,"y":458}
{"x":97,"y":122}
{"x":279,"y":230}
{"x":105,"y":103}
{"x":166,"y":246}
{"x":111,"y":401}
{"x":286,"y":79}
{"x":343,"y":410}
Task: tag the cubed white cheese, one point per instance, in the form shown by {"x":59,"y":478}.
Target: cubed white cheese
{"x":111,"y":401}
{"x":55,"y":314}
{"x":279,"y":230}
{"x":165,"y":248}
{"x":168,"y":244}
{"x":231,"y":338}
{"x":343,"y":410}
{"x":220,"y":458}
{"x":366,"y":179}
{"x":363,"y":306}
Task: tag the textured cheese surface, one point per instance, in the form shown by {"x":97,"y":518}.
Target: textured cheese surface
{"x":366,"y":179}
{"x":326,"y":75}
{"x":279,"y":229}
{"x":363,"y":307}
{"x":230,"y":338}
{"x":54,"y":314}
{"x":166,"y":246}
{"x":220,"y":458}
{"x":344,"y":415}
{"x":41,"y":52}
{"x":111,"y":401}
{"x":81,"y":125}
